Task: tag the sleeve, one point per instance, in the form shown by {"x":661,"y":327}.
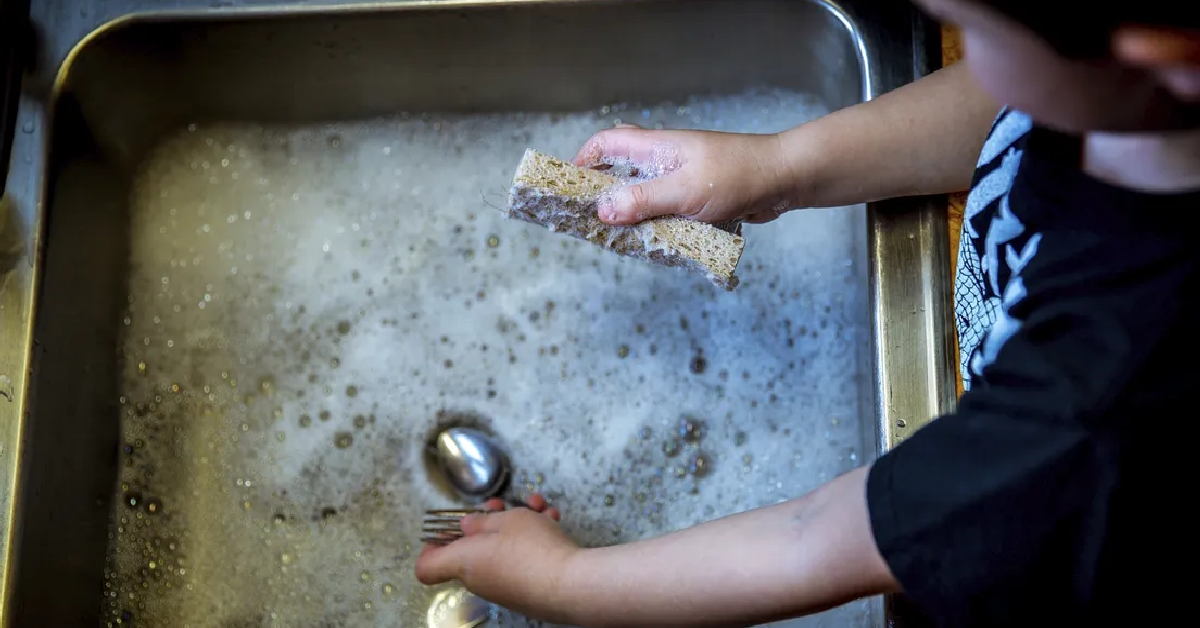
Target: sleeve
{"x":996,"y":513}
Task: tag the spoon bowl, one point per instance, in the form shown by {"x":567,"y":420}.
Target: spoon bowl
{"x":473,"y":463}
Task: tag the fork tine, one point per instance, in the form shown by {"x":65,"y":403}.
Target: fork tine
{"x":443,"y":526}
{"x":440,"y":527}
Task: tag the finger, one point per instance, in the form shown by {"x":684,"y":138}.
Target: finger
{"x":636,"y":144}
{"x":494,"y":504}
{"x":481,"y":523}
{"x":438,"y":564}
{"x":537,"y":502}
{"x":1157,"y":47}
{"x":433,"y":565}
{"x":640,"y":201}
{"x":554,"y":513}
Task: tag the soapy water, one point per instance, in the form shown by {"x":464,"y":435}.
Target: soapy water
{"x":307,"y":304}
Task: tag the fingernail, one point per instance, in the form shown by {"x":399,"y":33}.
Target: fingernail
{"x":607,"y":211}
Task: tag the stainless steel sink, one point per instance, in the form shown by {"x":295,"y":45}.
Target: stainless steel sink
{"x":265,"y":267}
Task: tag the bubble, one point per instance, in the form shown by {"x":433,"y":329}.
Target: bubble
{"x":691,"y":429}
{"x":698,"y":465}
{"x":133,"y":499}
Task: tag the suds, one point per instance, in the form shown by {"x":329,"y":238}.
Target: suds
{"x":305,"y":303}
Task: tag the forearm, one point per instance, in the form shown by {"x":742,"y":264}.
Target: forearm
{"x":922,"y":138}
{"x":782,"y":561}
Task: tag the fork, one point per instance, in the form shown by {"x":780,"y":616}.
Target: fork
{"x":442,"y":527}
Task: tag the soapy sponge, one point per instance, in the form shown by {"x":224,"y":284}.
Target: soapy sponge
{"x":563,"y":198}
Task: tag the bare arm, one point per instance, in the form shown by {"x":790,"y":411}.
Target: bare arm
{"x":922,"y":138}
{"x":794,"y":558}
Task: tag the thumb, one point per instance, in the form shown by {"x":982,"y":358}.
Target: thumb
{"x":641,"y":201}
{"x":437,"y":564}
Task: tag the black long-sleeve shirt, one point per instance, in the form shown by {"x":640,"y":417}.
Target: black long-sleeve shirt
{"x":1057,"y":493}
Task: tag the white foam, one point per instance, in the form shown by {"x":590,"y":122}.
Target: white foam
{"x":356,"y":272}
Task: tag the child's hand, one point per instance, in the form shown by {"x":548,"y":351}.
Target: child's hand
{"x":705,"y":175}
{"x":512,"y":558}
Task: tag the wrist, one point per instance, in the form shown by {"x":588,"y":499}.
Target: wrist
{"x":801,"y":166}
{"x":576,"y":592}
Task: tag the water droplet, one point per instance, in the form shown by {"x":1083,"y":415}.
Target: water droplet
{"x":342,"y":440}
{"x":493,"y":241}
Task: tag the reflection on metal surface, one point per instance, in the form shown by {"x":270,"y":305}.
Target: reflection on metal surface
{"x":12,"y":245}
{"x":472,"y":461}
{"x":124,"y":84}
{"x":457,"y":608}
{"x":913,"y":348}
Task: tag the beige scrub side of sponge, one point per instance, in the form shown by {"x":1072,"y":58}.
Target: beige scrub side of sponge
{"x":563,"y":198}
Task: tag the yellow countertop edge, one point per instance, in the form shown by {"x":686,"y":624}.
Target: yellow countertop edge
{"x":952,"y":52}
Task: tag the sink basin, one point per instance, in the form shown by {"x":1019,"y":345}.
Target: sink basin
{"x":272,"y":266}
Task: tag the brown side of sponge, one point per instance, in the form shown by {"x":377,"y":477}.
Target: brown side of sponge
{"x":563,"y":197}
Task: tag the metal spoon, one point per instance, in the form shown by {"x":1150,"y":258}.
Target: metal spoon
{"x":474,"y":464}
{"x":457,"y":608}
